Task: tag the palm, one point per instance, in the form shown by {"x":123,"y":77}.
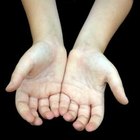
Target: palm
{"x":42,"y":68}
{"x":83,"y":86}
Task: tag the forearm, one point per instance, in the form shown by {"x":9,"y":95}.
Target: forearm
{"x":43,"y":19}
{"x":104,"y":19}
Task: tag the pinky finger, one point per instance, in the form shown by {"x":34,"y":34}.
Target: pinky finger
{"x":24,"y":111}
{"x":22,"y":105}
{"x":97,"y":114}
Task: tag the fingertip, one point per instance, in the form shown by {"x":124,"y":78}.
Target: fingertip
{"x":68,"y":117}
{"x":49,"y":115}
{"x":120,"y":95}
{"x":90,"y":127}
{"x":78,"y":126}
{"x":125,"y":101}
{"x":10,"y":87}
{"x":122,"y":98}
{"x":30,"y":119}
{"x":62,"y":110}
{"x":56,"y":112}
{"x":37,"y":121}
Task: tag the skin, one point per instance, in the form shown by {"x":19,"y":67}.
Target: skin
{"x":38,"y":75}
{"x":50,"y":84}
{"x":88,"y":70}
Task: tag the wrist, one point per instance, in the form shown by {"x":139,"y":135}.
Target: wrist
{"x":85,"y":45}
{"x":89,"y":39}
{"x":55,"y":41}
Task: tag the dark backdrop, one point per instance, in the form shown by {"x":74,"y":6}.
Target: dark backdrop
{"x":119,"y":121}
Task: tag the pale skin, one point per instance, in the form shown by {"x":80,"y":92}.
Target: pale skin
{"x":38,"y":75}
{"x":50,"y":84}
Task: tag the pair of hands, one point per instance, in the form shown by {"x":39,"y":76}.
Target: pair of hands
{"x":48,"y":84}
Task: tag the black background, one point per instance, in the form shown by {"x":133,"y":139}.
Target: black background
{"x":119,"y":121}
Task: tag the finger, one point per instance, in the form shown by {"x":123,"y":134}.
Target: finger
{"x":44,"y":109}
{"x":37,"y":119}
{"x":22,"y":69}
{"x":33,"y":103}
{"x":72,"y":112}
{"x":116,"y":86}
{"x":54,"y":104}
{"x":64,"y":104}
{"x":83,"y":117}
{"x":96,"y":118}
{"x":22,"y":105}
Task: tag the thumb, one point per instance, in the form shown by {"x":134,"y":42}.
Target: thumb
{"x":117,"y":88}
{"x":19,"y":74}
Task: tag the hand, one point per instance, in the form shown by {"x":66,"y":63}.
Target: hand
{"x":37,"y":79}
{"x":82,"y":95}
